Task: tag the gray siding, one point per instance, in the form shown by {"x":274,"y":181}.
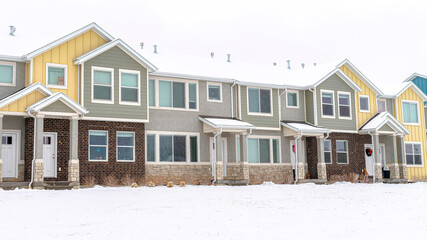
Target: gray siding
{"x":117,"y":59}
{"x":309,"y":106}
{"x":387,"y":128}
{"x":260,"y":121}
{"x":20,"y":81}
{"x":390,"y":106}
{"x":293,"y":114}
{"x":58,"y":106}
{"x":335,"y":83}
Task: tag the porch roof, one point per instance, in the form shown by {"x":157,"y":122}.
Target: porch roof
{"x":292,"y":128}
{"x":59,"y":96}
{"x":379,"y":120}
{"x":224,"y":123}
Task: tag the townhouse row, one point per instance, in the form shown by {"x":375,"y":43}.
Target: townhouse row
{"x":90,"y":105}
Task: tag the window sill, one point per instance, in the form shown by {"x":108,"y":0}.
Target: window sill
{"x":364,"y":111}
{"x":102,"y":102}
{"x":414,"y":165}
{"x":411,"y":124}
{"x":260,"y":114}
{"x":130,"y":103}
{"x":8,"y":84}
{"x":175,"y":109}
{"x":295,"y":107}
{"x":128,"y":161}
{"x":345,"y":118}
{"x":343,"y":163}
{"x":330,"y":117}
{"x":214,"y":101}
{"x":98,"y":160}
{"x":56,"y":86}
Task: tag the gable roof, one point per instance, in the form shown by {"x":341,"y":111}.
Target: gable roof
{"x":25,"y":91}
{"x":226,"y":123}
{"x":304,"y":127}
{"x":122,"y":45}
{"x":414,"y":87}
{"x":59,"y":96}
{"x":379,"y":120}
{"x":413,"y":76}
{"x":343,"y":76}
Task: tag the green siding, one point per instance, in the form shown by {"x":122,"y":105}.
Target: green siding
{"x":386,"y":128}
{"x":117,"y":59}
{"x":260,"y":121}
{"x":58,"y":106}
{"x":309,"y":106}
{"x":335,"y":83}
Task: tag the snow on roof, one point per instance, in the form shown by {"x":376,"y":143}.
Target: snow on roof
{"x":378,"y":120}
{"x":227,"y":123}
{"x":305,"y":127}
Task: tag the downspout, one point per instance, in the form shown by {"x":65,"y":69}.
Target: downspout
{"x":296,"y":156}
{"x":214,"y":159}
{"x":34,"y":148}
{"x":232,"y":99}
{"x":373,"y":162}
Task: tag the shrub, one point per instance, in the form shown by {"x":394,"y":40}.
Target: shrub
{"x":110,"y":181}
{"x":89,"y":181}
{"x":127,"y":180}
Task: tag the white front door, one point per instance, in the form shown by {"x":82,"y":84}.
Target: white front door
{"x":369,"y":161}
{"x":293,"y":150}
{"x":9,"y":155}
{"x":49,"y":154}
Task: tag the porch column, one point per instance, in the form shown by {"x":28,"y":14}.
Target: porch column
{"x":300,"y":160}
{"x":73,"y":163}
{"x":1,"y":135}
{"x":38,"y":173}
{"x":321,"y":165}
{"x":377,"y":166}
{"x":401,"y":157}
{"x":218,"y":156}
{"x":394,"y":166}
{"x":244,"y":156}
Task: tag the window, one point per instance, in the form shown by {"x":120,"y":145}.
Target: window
{"x":259,"y":100}
{"x":102,"y":85}
{"x":7,"y":73}
{"x":364,"y":103}
{"x":151,"y":148}
{"x":152,"y":92}
{"x":193,"y":149}
{"x":342,"y":151}
{"x":56,"y":76}
{"x":410,"y":112}
{"x":327,"y":149}
{"x":179,"y":147}
{"x":263,"y":150}
{"x":344,"y":104}
{"x":179,"y":95}
{"x":192,"y":96}
{"x":381,"y":105}
{"x":413,"y":152}
{"x":126,"y":146}
{"x":327,"y":104}
{"x":98,"y":145}
{"x":214,"y":92}
{"x":292,"y":99}
{"x":129,"y":87}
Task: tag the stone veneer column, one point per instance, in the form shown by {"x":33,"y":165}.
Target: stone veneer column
{"x":377,"y":166}
{"x":73,"y":163}
{"x":394,"y":166}
{"x":38,"y":174}
{"x":218,"y":156}
{"x":1,"y":135}
{"x":244,"y":156}
{"x":321,"y":165}
{"x":402,"y":157}
{"x":300,"y":160}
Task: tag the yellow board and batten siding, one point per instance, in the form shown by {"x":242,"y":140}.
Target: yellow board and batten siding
{"x":65,"y":54}
{"x":362,"y":117}
{"x":21,"y":104}
{"x":417,"y":132}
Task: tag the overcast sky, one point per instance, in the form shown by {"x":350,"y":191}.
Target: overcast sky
{"x":386,"y":40}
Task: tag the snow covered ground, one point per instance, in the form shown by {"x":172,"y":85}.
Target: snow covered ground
{"x":338,"y":211}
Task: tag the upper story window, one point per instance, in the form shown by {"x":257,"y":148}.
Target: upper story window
{"x":381,"y":105}
{"x":214,"y":92}
{"x":7,"y":73}
{"x":102,"y":85}
{"x":292,"y":99}
{"x":364,"y":103}
{"x":129,"y":87}
{"x":259,"y":100}
{"x":344,"y":104}
{"x":410,"y":112}
{"x":152,"y":92}
{"x":56,"y":75}
{"x":327,"y":99}
{"x":179,"y":95}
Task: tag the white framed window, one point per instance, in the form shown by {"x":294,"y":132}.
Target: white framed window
{"x":342,"y":151}
{"x":214,"y":92}
{"x":344,"y":105}
{"x":381,"y":105}
{"x":172,"y":147}
{"x":364,"y":105}
{"x":414,"y":154}
{"x":152,"y":92}
{"x":410,"y":112}
{"x":259,"y":101}
{"x":129,"y":82}
{"x":125,"y":144}
{"x":174,"y":95}
{"x":7,"y":74}
{"x":98,"y":146}
{"x":56,"y":75}
{"x":292,"y":99}
{"x":102,"y":85}
{"x":328,"y":104}
{"x":264,"y":150}
{"x":327,"y":149}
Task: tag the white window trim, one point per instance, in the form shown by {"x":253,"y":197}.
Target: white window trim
{"x":117,"y":146}
{"x":111,"y":70}
{"x":13,"y":64}
{"x":271,"y":149}
{"x":148,"y":92}
{"x":341,"y":151}
{"x":106,"y":150}
{"x":65,"y":67}
{"x":121,"y":102}
{"x":292,"y":91}
{"x":321,"y":103}
{"x":187,"y":97}
{"x":187,"y":143}
{"x":418,"y":113}
{"x":207,"y":91}
{"x":328,"y":151}
{"x":385,"y":104}
{"x":349,"y":102}
{"x":369,"y":104}
{"x":422,"y":155}
{"x":271,"y":102}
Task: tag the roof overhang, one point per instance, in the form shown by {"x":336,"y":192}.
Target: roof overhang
{"x":413,"y":76}
{"x":25,"y":91}
{"x":378,"y":121}
{"x":302,"y":128}
{"x":215,"y":124}
{"x":413,"y":87}
{"x":59,"y":96}
{"x":343,"y":76}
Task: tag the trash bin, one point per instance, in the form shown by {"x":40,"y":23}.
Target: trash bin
{"x":386,"y":173}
